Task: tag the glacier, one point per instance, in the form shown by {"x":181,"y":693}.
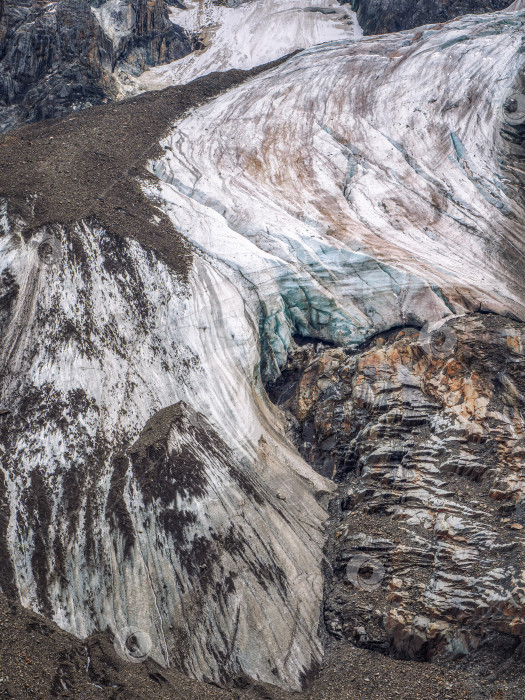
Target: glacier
{"x":345,"y":222}
{"x":360,"y":186}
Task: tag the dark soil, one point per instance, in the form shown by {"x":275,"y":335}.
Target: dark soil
{"x":89,"y":166}
{"x":39,"y":660}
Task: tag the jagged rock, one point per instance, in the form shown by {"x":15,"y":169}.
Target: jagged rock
{"x":383,"y":16}
{"x":423,"y":438}
{"x":60,"y":56}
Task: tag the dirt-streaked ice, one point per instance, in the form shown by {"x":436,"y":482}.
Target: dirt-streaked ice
{"x":359,"y":186}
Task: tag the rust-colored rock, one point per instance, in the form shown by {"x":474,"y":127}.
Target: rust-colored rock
{"x":427,"y":446}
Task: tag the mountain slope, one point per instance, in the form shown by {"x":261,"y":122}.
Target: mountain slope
{"x":155,"y":284}
{"x":57,"y":57}
{"x":248,"y":34}
{"x":343,"y":221}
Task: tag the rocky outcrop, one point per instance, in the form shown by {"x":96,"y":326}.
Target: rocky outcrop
{"x":56,"y":57}
{"x":384,"y":16}
{"x":424,"y":431}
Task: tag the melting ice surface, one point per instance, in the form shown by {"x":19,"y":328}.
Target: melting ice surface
{"x":358,"y":186}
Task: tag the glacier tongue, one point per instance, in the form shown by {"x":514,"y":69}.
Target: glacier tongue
{"x":103,"y":537}
{"x":359,"y":186}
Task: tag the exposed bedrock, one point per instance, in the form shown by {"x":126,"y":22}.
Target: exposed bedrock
{"x":384,"y":16}
{"x":425,"y":434}
{"x":60,"y":56}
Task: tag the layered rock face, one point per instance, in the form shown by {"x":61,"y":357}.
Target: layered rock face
{"x":424,"y":432}
{"x":56,"y":57}
{"x":383,"y":16}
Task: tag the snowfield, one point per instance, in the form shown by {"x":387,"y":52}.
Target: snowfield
{"x":250,"y":34}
